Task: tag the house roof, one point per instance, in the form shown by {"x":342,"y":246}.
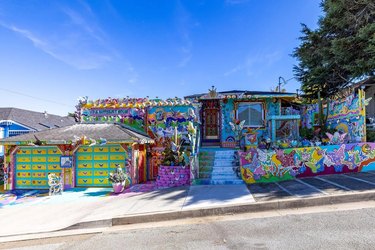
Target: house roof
{"x":37,"y":121}
{"x":255,"y":94}
{"x":68,"y":134}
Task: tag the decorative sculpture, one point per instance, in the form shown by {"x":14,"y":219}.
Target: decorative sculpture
{"x":55,"y":184}
{"x":336,"y":138}
{"x":237,"y":127}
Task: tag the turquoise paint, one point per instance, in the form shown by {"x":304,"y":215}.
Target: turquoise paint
{"x":44,"y":177}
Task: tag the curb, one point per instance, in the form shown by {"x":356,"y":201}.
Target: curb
{"x":223,"y":210}
{"x":92,"y":227}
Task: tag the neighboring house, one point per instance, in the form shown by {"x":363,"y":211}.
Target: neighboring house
{"x":14,"y":121}
{"x":369,"y":85}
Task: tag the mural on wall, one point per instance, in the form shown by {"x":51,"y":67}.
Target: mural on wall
{"x":168,"y":121}
{"x":131,"y":111}
{"x":284,"y":164}
{"x":250,"y":136}
{"x":346,"y":114}
{"x":228,"y":136}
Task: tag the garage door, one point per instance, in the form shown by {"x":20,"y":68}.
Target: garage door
{"x":33,"y":164}
{"x":95,"y":163}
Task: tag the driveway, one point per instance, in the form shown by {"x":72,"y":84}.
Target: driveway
{"x":314,"y":186}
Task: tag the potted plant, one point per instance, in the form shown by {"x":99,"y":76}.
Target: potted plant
{"x":118,"y":180}
{"x":173,"y":154}
{"x":173,"y":171}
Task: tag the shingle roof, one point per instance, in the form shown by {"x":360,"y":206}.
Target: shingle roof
{"x":64,"y":135}
{"x":35,"y":120}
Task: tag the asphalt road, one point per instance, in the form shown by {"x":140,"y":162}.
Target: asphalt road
{"x":338,"y":227}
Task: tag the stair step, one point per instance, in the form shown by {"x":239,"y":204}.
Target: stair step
{"x":225,"y":182}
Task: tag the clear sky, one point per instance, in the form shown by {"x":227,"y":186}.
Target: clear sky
{"x":52,"y":52}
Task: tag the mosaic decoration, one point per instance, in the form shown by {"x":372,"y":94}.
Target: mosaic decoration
{"x":284,"y":164}
{"x":173,"y":176}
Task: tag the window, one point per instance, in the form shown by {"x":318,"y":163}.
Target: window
{"x":252,"y":113}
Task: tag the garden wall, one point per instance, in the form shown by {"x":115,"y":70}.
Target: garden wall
{"x":284,"y":164}
{"x":173,"y":176}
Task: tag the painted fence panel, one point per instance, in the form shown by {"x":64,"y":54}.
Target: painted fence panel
{"x":284,"y":164}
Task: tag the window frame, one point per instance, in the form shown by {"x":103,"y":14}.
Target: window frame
{"x":263,"y":113}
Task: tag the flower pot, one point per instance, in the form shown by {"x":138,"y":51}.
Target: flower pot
{"x":118,"y":187}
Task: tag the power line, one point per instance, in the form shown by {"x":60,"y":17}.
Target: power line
{"x":34,"y":97}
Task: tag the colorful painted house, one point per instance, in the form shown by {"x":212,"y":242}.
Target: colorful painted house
{"x":83,"y":154}
{"x":131,"y":133}
{"x":265,"y":114}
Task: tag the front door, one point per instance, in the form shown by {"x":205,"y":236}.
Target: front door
{"x":211,"y":122}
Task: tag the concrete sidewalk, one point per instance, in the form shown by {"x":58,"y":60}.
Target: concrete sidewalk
{"x":58,"y":212}
{"x":95,"y":207}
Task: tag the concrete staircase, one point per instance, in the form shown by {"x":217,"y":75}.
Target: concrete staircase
{"x":216,"y":167}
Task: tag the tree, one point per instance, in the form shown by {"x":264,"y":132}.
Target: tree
{"x":340,"y":51}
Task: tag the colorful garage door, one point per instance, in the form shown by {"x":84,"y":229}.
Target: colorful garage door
{"x":95,"y":163}
{"x":33,"y":164}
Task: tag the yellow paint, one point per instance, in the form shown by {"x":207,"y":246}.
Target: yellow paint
{"x":101,"y":173}
{"x":101,"y":149}
{"x":24,"y":174}
{"x":39,"y":167}
{"x":366,"y":148}
{"x":23,"y":166}
{"x":24,"y":151}
{"x":247,"y":175}
{"x":38,"y":174}
{"x":23,"y":159}
{"x":84,"y":173}
{"x":39,"y":151}
{"x":39,"y":159}
{"x":39,"y":182}
{"x":116,"y":149}
{"x":52,"y":151}
{"x":54,"y":159}
{"x":84,"y":165}
{"x":23,"y":183}
{"x":315,"y":156}
{"x":84,"y":157}
{"x":117,"y":157}
{"x":85,"y":149}
{"x":54,"y":167}
{"x":101,"y":165}
{"x":68,"y":176}
{"x":103,"y":181}
{"x":81,"y":181}
{"x":116,"y":165}
{"x":275,"y":160}
{"x":101,"y":157}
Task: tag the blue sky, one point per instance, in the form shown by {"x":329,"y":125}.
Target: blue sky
{"x":53,"y":52}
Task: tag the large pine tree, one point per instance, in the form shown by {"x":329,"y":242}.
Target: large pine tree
{"x":340,"y":51}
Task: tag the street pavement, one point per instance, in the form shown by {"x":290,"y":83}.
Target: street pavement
{"x":343,"y":226}
{"x":38,"y":213}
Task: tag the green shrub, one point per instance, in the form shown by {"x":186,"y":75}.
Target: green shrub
{"x":370,"y":136}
